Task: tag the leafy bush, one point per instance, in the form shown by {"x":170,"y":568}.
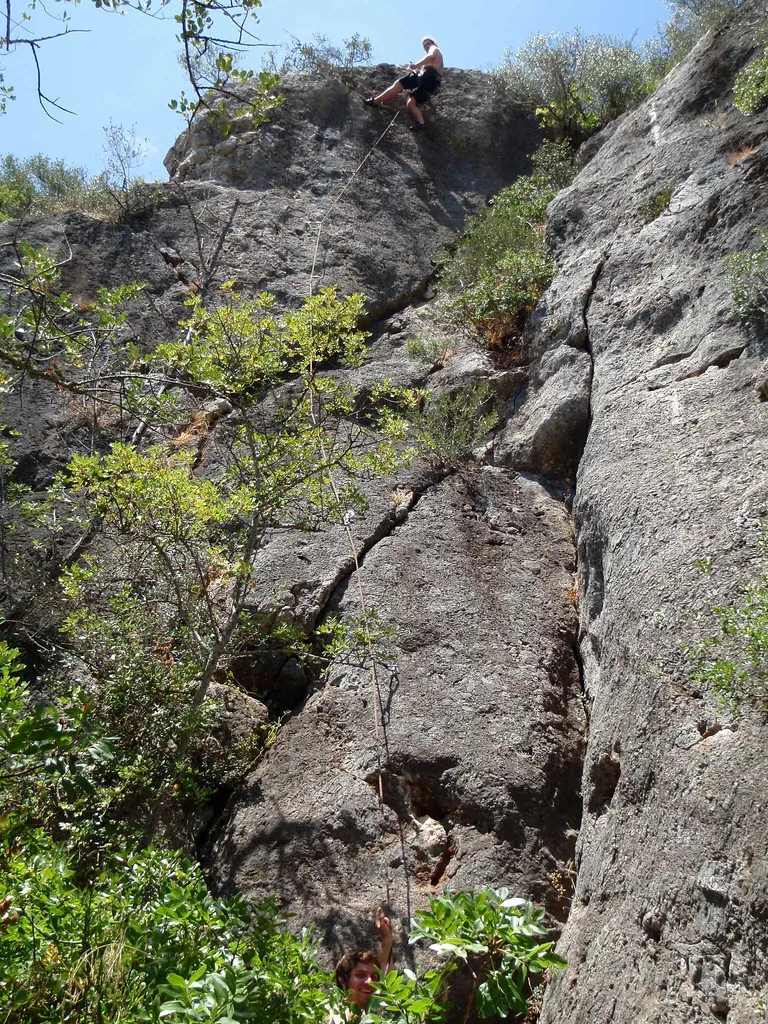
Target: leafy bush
{"x":500,"y":268}
{"x":734,"y":663}
{"x":39,"y":185}
{"x":49,"y":756}
{"x":498,"y":935}
{"x":142,"y":939}
{"x":750,"y":89}
{"x":429,"y":353}
{"x":320,"y":56}
{"x":654,"y":206}
{"x":577,"y":83}
{"x":450,"y":425}
{"x":748,"y":282}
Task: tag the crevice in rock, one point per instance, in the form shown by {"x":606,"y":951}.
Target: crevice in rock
{"x":604,"y":776}
{"x":394,"y":518}
{"x":676,"y":357}
{"x":596,"y":275}
{"x":391,"y":307}
{"x":587,"y":346}
{"x":721,"y":361}
{"x":577,"y":657}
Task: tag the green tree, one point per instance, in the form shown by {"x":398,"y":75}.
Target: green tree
{"x":688,"y":21}
{"x":577,"y":83}
{"x":38,"y":184}
{"x":205,"y":27}
{"x":750,"y":88}
{"x":161,"y":586}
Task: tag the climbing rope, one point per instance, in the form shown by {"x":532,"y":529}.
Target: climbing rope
{"x":379,"y":726}
{"x":378,"y":719}
{"x":328,"y":212}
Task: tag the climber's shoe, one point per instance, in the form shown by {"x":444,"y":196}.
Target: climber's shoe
{"x":416,"y":127}
{"x":369,"y":101}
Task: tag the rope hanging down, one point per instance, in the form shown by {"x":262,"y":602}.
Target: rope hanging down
{"x":327,"y":213}
{"x":379,"y":726}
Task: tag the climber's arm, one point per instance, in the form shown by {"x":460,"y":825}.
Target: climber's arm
{"x":384,"y":928}
{"x":432,"y":59}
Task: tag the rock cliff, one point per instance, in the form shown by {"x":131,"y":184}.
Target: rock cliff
{"x":536,"y":730}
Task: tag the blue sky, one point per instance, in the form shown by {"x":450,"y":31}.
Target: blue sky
{"x":124,"y":68}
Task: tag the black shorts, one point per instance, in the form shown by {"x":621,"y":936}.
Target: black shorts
{"x":421,"y":85}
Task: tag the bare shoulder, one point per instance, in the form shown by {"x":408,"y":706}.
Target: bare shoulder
{"x":436,"y":58}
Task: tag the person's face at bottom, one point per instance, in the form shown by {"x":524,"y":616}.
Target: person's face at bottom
{"x":360,"y":983}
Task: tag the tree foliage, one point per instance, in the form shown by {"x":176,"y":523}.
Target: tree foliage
{"x":36,"y":185}
{"x":577,"y":83}
{"x":320,"y":55}
{"x":167,"y":589}
{"x":208,"y":30}
{"x":500,"y":267}
{"x":750,"y":88}
{"x":688,"y":22}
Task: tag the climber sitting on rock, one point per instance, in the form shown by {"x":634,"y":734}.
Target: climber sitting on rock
{"x":358,"y":971}
{"x":422,"y":81}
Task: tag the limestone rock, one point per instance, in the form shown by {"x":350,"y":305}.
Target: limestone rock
{"x":482,"y":715}
{"x":238,"y":715}
{"x":635,"y":383}
{"x":668,"y":920}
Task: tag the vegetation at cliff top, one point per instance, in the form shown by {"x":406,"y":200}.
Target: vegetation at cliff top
{"x":38,"y":185}
{"x":689,"y":20}
{"x":578,"y":83}
{"x":500,"y":267}
{"x":319,"y":56}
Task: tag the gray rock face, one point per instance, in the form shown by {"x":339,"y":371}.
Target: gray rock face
{"x":502,"y":721}
{"x":482,"y":724}
{"x":668,"y":920}
{"x":411,"y":194}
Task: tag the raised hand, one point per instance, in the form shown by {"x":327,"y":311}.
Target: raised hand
{"x":383,"y":925}
{"x":384,"y":928}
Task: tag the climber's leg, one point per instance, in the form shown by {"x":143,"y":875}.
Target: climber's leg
{"x":386,"y":96}
{"x":414,"y":110}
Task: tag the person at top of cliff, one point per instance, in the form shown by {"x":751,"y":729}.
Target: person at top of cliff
{"x":422,"y":81}
{"x":360,"y":969}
